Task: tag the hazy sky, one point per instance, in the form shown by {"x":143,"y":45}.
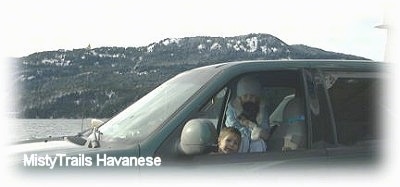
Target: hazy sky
{"x":44,"y":25}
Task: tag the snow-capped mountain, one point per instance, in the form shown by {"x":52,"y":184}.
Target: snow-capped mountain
{"x":100,"y":82}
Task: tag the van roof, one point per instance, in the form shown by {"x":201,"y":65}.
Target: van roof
{"x":302,"y":63}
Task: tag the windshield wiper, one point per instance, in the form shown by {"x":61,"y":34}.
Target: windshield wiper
{"x":76,"y":140}
{"x":93,"y":137}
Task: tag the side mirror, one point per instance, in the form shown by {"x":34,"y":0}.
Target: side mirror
{"x":199,"y":136}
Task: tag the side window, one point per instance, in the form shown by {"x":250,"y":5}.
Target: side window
{"x":354,"y":105}
{"x":278,"y":108}
{"x":274,"y":95}
{"x":214,"y":108}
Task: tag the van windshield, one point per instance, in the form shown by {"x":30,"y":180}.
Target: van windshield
{"x":148,"y":113}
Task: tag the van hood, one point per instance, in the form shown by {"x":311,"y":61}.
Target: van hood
{"x":47,"y":147}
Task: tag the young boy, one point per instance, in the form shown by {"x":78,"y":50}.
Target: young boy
{"x":229,"y":140}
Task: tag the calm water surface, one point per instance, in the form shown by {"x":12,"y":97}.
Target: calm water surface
{"x":26,"y":129}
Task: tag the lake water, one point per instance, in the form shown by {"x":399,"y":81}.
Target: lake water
{"x":26,"y":129}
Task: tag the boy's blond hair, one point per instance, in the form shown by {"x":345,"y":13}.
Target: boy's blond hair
{"x":230,"y":130}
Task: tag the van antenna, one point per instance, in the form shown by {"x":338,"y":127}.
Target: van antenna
{"x":88,"y":48}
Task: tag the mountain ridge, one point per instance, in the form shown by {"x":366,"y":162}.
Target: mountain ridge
{"x":81,"y":83}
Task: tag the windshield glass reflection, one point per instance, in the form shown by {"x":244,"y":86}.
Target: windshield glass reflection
{"x":147,"y":114}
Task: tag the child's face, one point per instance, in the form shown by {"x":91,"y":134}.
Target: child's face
{"x":229,"y":144}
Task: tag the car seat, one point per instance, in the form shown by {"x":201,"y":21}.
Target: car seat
{"x":290,"y":133}
{"x":294,"y":119}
